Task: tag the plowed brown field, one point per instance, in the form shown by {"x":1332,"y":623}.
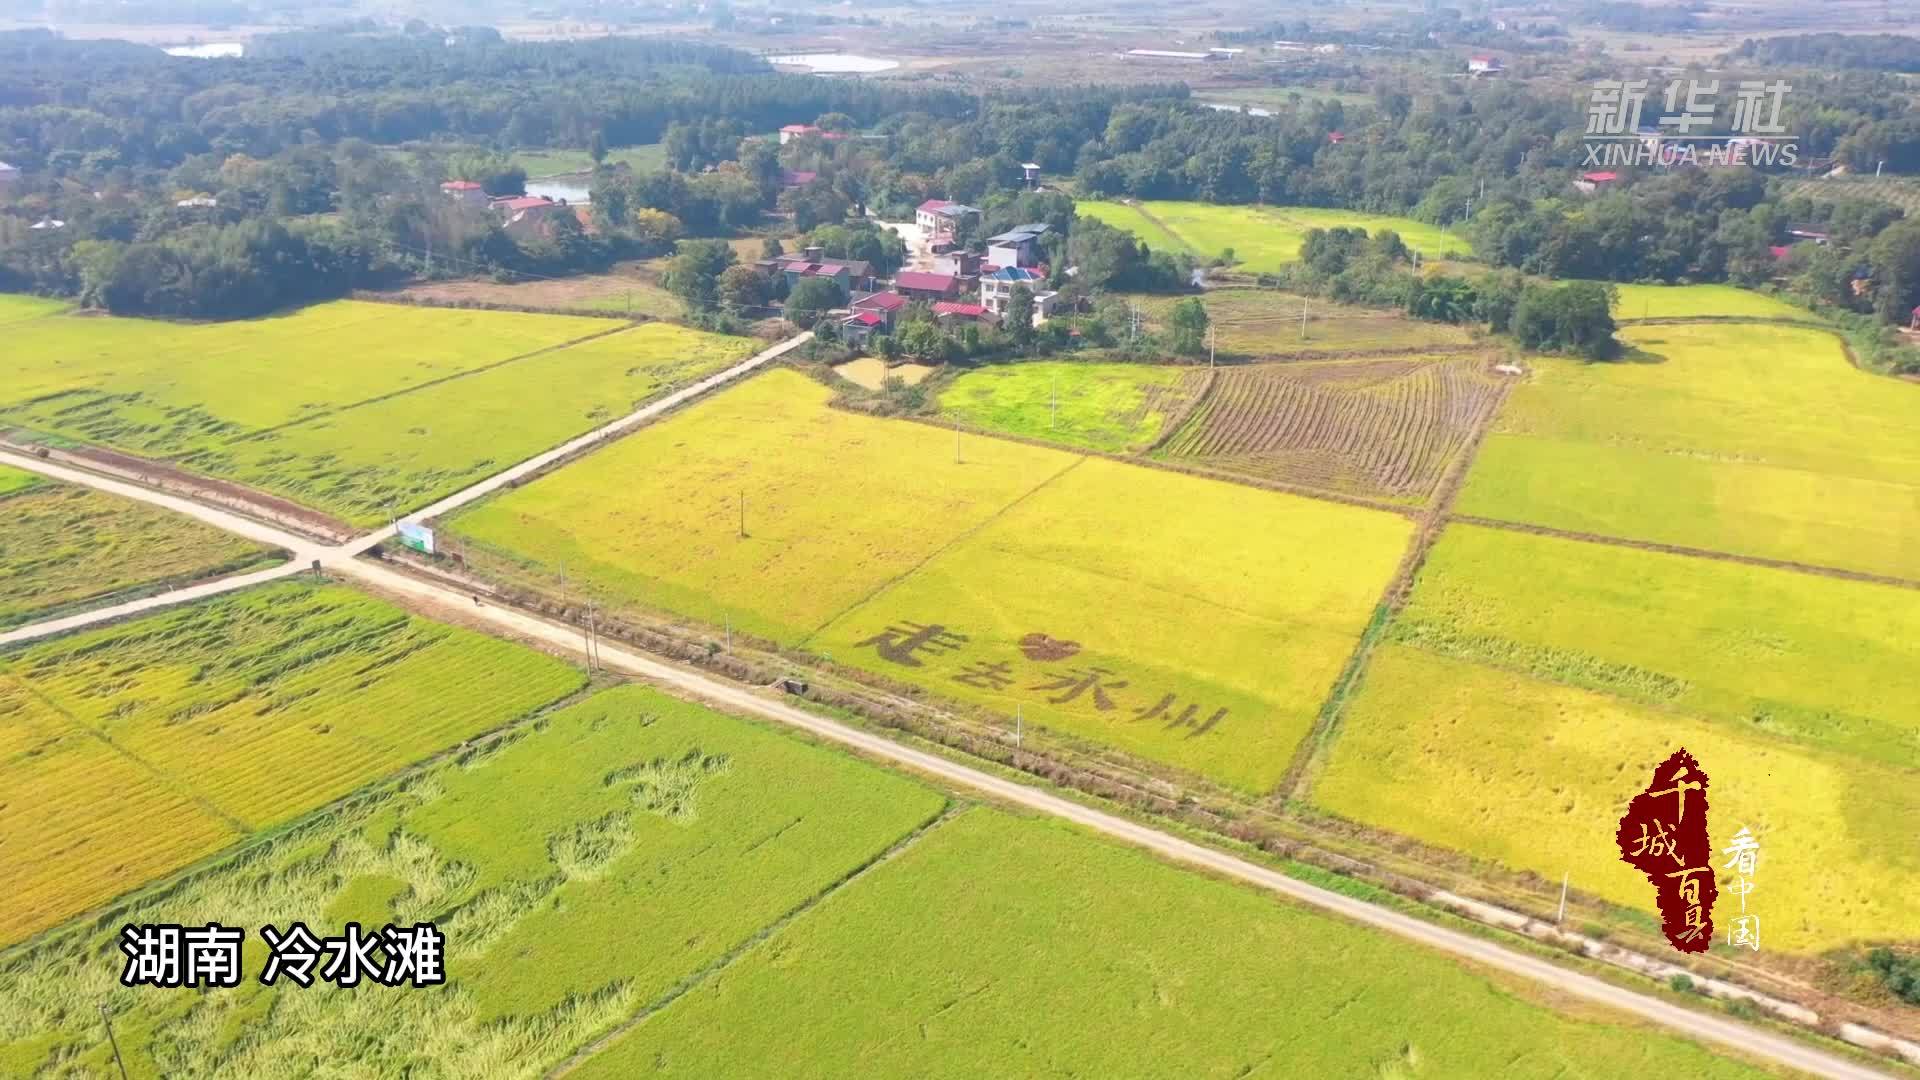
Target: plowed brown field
{"x":1384,"y":429}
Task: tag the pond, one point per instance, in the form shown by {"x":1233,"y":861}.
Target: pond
{"x":572,"y":192}
{"x":217,"y":50}
{"x":836,"y":63}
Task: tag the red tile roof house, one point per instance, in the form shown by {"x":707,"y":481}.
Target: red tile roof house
{"x":526,"y":214}
{"x":950,"y":310}
{"x":887,"y":305}
{"x":464,"y":192}
{"x":861,"y":325}
{"x":920,"y":285}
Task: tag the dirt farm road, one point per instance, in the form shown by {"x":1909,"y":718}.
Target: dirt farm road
{"x":430,"y":597}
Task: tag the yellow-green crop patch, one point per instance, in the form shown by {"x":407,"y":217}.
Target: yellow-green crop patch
{"x":1699,"y":301}
{"x":654,"y":520}
{"x":131,"y":750}
{"x":1115,"y":407}
{"x":15,"y":307}
{"x":1533,"y":776}
{"x":581,"y":873}
{"x":168,"y":389}
{"x":411,"y":448}
{"x":1127,"y":217}
{"x":998,"y":946}
{"x":64,"y":547}
{"x":1822,"y":662}
{"x":1746,"y":438}
{"x":1184,"y":620}
{"x":1262,"y":238}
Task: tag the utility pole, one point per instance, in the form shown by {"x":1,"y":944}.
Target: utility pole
{"x":107,"y":1019}
{"x":1210,"y":359}
{"x":586,"y":636}
{"x":1562,"y":917}
{"x":1303,"y":318}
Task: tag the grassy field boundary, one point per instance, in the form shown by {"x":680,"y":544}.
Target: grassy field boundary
{"x":1698,"y":553}
{"x":258,"y":561}
{"x":261,"y":433}
{"x":963,"y":537}
{"x":1313,"y":749}
{"x":1197,"y":471}
{"x":953,"y":809}
{"x":399,"y":300}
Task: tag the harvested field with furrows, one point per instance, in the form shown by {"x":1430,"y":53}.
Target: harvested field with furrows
{"x":1382,"y":429}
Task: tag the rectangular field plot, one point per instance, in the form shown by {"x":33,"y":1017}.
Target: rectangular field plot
{"x":166,"y":389}
{"x":1128,"y":218}
{"x":655,"y":518}
{"x":1749,"y":439}
{"x":1262,"y":238}
{"x":1821,"y":662}
{"x":1700,"y":301}
{"x":17,"y":308}
{"x":1113,"y":407}
{"x":580,"y":874}
{"x":1382,"y":429}
{"x":1254,"y":324}
{"x":1533,"y":776}
{"x":412,"y":448}
{"x":64,"y":547}
{"x":1000,"y":946}
{"x":1185,"y":620}
{"x":240,"y":713}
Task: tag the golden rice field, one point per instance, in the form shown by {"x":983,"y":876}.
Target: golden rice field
{"x":1005,"y":946}
{"x":131,"y":750}
{"x":1384,"y":429}
{"x":1206,"y":621}
{"x":360,"y":410}
{"x":1212,"y":618}
{"x":671,"y":538}
{"x":663,"y":838}
{"x":1531,"y":683}
{"x":65,"y":547}
{"x":1698,"y":302}
{"x":412,"y":448}
{"x":1826,"y":663}
{"x":1532,"y":775}
{"x":1743,"y":438}
{"x":168,"y":389}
